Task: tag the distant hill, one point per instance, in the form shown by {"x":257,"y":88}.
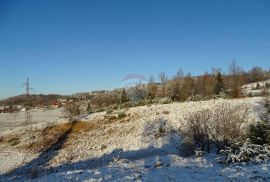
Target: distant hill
{"x":36,"y":100}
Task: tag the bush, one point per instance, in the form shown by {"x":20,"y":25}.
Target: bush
{"x":267,"y":104}
{"x":188,"y":147}
{"x":255,"y":148}
{"x":244,"y":152}
{"x":71,"y":110}
{"x":109,"y":111}
{"x":216,"y":126}
{"x":197,"y":130}
{"x":126,"y":105}
{"x":140,"y":103}
{"x":122,"y":115}
{"x":100,"y":110}
{"x":165,"y":101}
{"x":14,"y":141}
{"x":197,"y":97}
{"x":259,"y":133}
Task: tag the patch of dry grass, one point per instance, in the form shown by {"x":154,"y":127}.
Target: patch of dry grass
{"x":81,"y":127}
{"x":51,"y":134}
{"x":11,"y":140}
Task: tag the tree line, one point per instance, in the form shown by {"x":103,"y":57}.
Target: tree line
{"x":182,"y":87}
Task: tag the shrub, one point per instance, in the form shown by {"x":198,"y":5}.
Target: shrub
{"x":244,"y":152}
{"x":109,"y":111}
{"x":216,"y":126}
{"x":89,"y":108}
{"x":187,"y":147}
{"x":71,"y":110}
{"x":165,"y":101}
{"x":255,"y":148}
{"x":267,"y":104}
{"x":166,"y":112}
{"x":258,"y":86}
{"x":140,"y":103}
{"x":259,"y":133}
{"x":197,"y":97}
{"x":126,"y":105}
{"x":115,"y":106}
{"x":14,"y":141}
{"x":122,"y":115}
{"x":100,"y":110}
{"x":198,"y":129}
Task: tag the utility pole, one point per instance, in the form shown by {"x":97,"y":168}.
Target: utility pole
{"x":27,"y":105}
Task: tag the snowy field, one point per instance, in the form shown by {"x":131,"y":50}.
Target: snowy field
{"x":129,"y":149}
{"x":14,"y":120}
{"x":251,"y":89}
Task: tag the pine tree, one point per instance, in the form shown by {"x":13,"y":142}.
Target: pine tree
{"x":89,"y":109}
{"x":219,"y":84}
{"x":124,"y":98}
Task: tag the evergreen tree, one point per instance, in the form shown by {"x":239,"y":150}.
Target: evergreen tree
{"x":219,"y":87}
{"x":89,"y":109}
{"x":124,"y":97}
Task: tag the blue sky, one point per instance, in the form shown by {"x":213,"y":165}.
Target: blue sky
{"x":72,"y":46}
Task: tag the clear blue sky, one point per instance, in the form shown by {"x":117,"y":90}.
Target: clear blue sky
{"x":72,"y":46}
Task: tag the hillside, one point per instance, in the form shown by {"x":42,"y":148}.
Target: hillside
{"x":35,"y":100}
{"x":142,"y":145}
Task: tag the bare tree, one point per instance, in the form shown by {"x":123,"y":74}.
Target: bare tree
{"x":236,"y":80}
{"x":105,"y":99}
{"x":72,"y":110}
{"x":176,"y":86}
{"x":189,"y":88}
{"x":163,"y":80}
{"x":206,"y":84}
{"x":152,"y":87}
{"x":256,"y":74}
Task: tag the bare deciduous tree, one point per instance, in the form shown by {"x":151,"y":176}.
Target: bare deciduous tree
{"x":236,"y":80}
{"x":176,"y":86}
{"x":163,"y":80}
{"x":256,"y":74}
{"x":72,"y":110}
{"x":152,"y":88}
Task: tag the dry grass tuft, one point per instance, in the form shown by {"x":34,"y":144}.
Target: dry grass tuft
{"x":81,"y":127}
{"x":12,"y":140}
{"x":51,"y":134}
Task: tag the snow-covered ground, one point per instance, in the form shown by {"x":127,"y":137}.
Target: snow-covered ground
{"x":252,"y":90}
{"x":129,"y":149}
{"x":14,"y":120}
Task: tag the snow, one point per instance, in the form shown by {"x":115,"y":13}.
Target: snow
{"x":142,"y":147}
{"x":14,"y":120}
{"x":165,"y":168}
{"x":251,"y":89}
